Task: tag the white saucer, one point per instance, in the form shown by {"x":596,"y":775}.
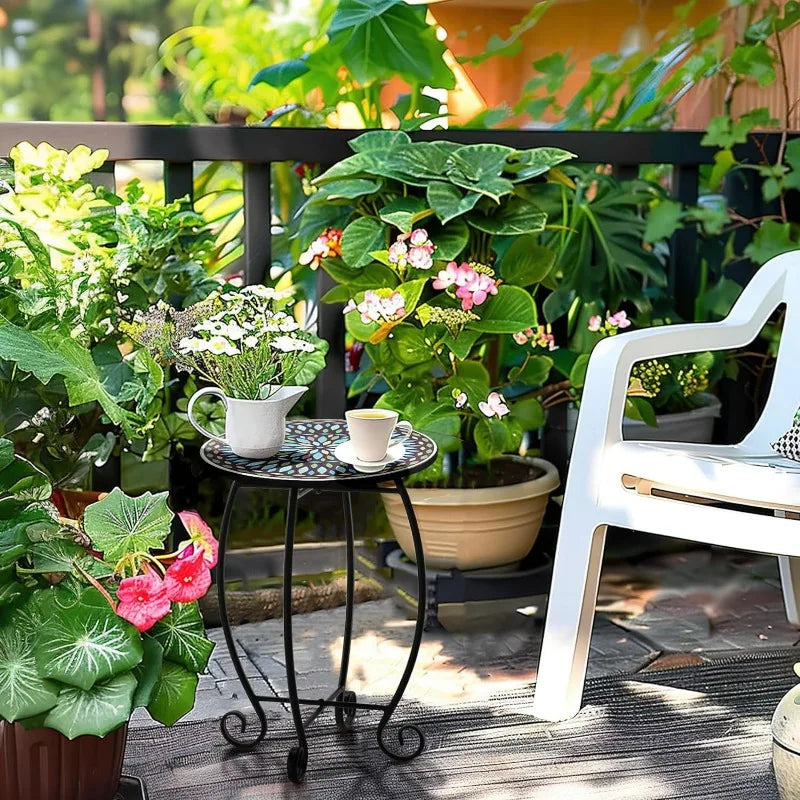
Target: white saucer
{"x":344,"y":452}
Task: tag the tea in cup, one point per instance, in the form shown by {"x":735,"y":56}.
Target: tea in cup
{"x":371,"y":430}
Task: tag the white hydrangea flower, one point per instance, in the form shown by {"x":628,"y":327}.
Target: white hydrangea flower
{"x":189,"y":345}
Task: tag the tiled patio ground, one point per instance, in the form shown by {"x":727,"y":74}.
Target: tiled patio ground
{"x":663,"y":610}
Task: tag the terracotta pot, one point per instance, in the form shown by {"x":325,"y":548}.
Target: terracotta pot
{"x":41,"y":764}
{"x":72,"y":502}
{"x":786,"y":745}
{"x":475,"y":528}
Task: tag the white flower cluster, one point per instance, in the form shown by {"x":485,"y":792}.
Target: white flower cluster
{"x":243,"y":320}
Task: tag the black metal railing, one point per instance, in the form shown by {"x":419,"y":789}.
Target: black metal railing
{"x":178,"y":147}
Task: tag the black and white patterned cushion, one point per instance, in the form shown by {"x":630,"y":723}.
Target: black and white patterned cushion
{"x":789,"y":444}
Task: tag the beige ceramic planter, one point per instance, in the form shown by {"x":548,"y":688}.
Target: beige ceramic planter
{"x":786,"y":745}
{"x":475,"y":528}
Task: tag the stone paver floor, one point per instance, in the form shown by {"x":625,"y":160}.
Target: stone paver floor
{"x":661,"y":610}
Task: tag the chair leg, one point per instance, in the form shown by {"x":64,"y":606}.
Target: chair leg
{"x":570,"y":615}
{"x":790,"y":583}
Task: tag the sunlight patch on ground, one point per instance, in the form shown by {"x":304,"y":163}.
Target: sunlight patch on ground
{"x":377,"y":662}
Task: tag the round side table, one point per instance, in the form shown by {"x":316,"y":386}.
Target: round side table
{"x":306,"y":464}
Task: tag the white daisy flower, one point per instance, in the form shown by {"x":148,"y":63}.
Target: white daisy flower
{"x":219,"y":345}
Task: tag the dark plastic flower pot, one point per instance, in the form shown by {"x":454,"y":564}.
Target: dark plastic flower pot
{"x":41,"y":764}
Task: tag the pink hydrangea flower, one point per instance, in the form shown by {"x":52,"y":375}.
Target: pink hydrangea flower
{"x":446,"y":277}
{"x":143,"y":600}
{"x":200,"y":536}
{"x":413,"y":249}
{"x":494,"y":406}
{"x":472,"y":286}
{"x":619,"y":320}
{"x":188,"y":577}
{"x":374,"y":308}
{"x":595,"y":322}
{"x":327,"y":244}
{"x":420,"y":258}
{"x":398,"y":252}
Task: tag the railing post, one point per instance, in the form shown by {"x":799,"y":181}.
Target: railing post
{"x":330,"y":384}
{"x":684,"y":266}
{"x":178,"y":180}
{"x":257,"y":231}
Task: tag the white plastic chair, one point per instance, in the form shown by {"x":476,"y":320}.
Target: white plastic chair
{"x":623,"y":483}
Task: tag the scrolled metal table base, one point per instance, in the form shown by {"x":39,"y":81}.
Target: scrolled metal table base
{"x":410,"y":741}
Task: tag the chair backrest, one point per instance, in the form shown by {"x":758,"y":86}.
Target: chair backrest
{"x":777,"y":282}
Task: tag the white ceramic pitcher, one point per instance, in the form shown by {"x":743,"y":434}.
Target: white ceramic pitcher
{"x":253,"y":428}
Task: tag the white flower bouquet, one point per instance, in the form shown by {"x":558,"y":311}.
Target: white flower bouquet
{"x":243,"y":340}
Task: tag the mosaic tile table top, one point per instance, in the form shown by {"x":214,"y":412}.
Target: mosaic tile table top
{"x":307,"y":455}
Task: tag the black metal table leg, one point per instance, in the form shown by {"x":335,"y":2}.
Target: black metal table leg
{"x":231,"y":737}
{"x":408,"y":750}
{"x":297,"y":761}
{"x":345,"y":716}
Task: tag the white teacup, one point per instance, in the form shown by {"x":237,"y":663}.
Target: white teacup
{"x":371,"y":430}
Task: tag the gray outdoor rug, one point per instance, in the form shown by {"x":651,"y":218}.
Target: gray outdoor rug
{"x":695,"y":732}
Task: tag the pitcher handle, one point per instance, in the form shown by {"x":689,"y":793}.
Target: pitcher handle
{"x":405,"y":430}
{"x":197,"y":426}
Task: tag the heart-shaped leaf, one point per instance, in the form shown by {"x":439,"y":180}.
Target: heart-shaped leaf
{"x":174,"y":693}
{"x":85,"y":643}
{"x":23,"y":692}
{"x":450,"y":240}
{"x":182,"y":636}
{"x":119,"y":524}
{"x":96,"y":711}
{"x":490,"y":438}
{"x":449,"y":201}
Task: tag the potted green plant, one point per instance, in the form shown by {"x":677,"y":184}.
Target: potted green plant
{"x":439,"y":263}
{"x":95,"y":621}
{"x":76,"y":260}
{"x":247,"y":343}
{"x":669,"y":399}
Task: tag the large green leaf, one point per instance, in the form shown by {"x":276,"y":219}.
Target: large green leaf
{"x":380,"y":142}
{"x":448,"y":201}
{"x":514,"y":217}
{"x":281,"y":74}
{"x":533,"y":371}
{"x":23,"y":692}
{"x":490,"y":438}
{"x":526,"y":164}
{"x":46,"y":354}
{"x":182,"y":636}
{"x":526,"y":262}
{"x":529,"y":413}
{"x":350,"y":188}
{"x":411,"y":345}
{"x":360,"y":238}
{"x":450,"y":240}
{"x":174,"y":693}
{"x":383,"y":38}
{"x":405,"y":212}
{"x":511,"y":310}
{"x":147,"y":671}
{"x":62,"y":555}
{"x":23,"y":481}
{"x":477,"y":167}
{"x":119,"y":524}
{"x":441,"y":423}
{"x":96,"y":711}
{"x":85,"y":643}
